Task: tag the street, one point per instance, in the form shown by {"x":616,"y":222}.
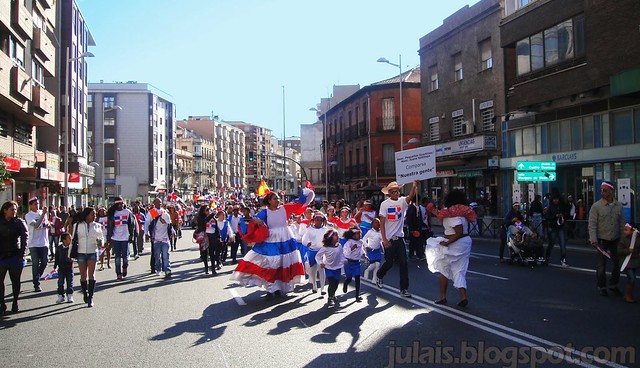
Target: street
{"x":515,"y":316}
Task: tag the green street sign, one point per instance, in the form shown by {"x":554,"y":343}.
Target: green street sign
{"x":536,"y":176}
{"x":536,"y":166}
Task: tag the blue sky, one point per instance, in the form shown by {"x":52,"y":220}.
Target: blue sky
{"x":232,"y":57}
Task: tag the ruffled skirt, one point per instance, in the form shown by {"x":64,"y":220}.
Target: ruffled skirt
{"x":452,"y":261}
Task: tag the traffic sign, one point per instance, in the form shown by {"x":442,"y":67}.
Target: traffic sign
{"x":536,"y":166}
{"x":536,"y":176}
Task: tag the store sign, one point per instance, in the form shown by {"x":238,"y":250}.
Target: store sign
{"x":467,"y":145}
{"x":11,"y":164}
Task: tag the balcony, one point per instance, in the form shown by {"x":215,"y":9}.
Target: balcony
{"x":387,"y":125}
{"x":46,"y":4}
{"x":44,"y":103}
{"x":21,"y":19}
{"x":386,"y":169}
{"x":20,"y":83}
{"x":43,"y":45}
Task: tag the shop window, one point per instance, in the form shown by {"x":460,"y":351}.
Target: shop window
{"x":576,"y":134}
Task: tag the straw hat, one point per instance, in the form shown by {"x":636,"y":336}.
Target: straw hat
{"x":391,"y":186}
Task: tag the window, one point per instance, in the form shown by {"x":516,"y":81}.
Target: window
{"x":529,"y":141}
{"x":515,"y":143}
{"x":459,"y":126}
{"x":558,"y":43}
{"x":388,"y":114}
{"x":523,"y":56}
{"x":537,"y":52}
{"x":622,"y":127}
{"x":457,"y":67}
{"x":488,"y":122}
{"x":486,"y":59}
{"x":554,"y":137}
{"x":587,"y":133}
{"x":36,"y":72}
{"x":434,"y":131}
{"x":16,"y":52}
{"x":565,"y":136}
{"x":108,"y":102}
{"x":109,"y":122}
{"x":576,"y":134}
{"x":89,"y":101}
{"x":388,"y":159}
{"x":433,"y":78}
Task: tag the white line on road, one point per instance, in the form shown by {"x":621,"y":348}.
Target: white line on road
{"x":237,"y":297}
{"x":571,"y":356}
{"x":488,"y":275}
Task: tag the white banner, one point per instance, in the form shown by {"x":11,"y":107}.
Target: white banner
{"x":416,"y":164}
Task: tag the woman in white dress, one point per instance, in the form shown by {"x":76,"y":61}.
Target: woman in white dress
{"x":450,"y":255}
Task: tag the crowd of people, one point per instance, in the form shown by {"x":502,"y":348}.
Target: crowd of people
{"x":283,"y":245}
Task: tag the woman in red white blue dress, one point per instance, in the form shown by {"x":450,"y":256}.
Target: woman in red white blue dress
{"x":275,"y":263}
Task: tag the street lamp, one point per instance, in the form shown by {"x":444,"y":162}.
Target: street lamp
{"x":399,"y":66}
{"x":326,"y":152}
{"x":67,"y":121}
{"x":117,"y":170}
{"x":103,"y":185}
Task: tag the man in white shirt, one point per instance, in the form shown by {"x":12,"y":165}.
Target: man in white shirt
{"x":161,"y":232}
{"x":392,"y":214}
{"x":234,"y":240}
{"x":38,"y":225}
{"x":122,"y":229}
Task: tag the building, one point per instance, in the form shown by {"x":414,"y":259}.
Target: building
{"x":462,"y":75}
{"x":362,"y":135}
{"x":312,"y":158}
{"x":35,"y":35}
{"x":257,"y":143}
{"x":185,"y":164}
{"x":228,"y":173}
{"x":132,"y":133}
{"x":573,"y":96}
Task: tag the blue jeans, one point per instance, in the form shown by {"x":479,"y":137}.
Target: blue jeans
{"x":161,"y":254}
{"x":536,"y":224}
{"x":557,"y":233}
{"x":631,"y":275}
{"x":65,"y":275}
{"x":53,"y":243}
{"x":121,"y":250}
{"x":38,"y":263}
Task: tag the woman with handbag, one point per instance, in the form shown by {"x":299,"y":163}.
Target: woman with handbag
{"x":205,"y":215}
{"x":88,"y":237}
{"x":13,"y":244}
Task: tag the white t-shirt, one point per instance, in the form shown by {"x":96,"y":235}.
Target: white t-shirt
{"x":393,"y":212}
{"x":161,"y":230}
{"x":38,"y":236}
{"x":121,"y":225}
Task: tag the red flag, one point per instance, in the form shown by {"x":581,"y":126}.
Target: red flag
{"x":308,"y":185}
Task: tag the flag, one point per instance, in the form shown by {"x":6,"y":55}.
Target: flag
{"x":263,"y":189}
{"x":51,"y":275}
{"x":307,"y":184}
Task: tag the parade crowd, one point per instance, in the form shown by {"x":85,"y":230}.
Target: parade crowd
{"x":277,"y":246}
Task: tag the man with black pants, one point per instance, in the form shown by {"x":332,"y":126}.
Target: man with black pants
{"x":606,"y":225}
{"x":392,"y":213}
{"x":416,"y":237}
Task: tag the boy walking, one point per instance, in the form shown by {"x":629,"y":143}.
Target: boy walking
{"x":64,"y":264}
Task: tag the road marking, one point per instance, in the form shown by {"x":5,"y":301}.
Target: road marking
{"x":571,"y":356}
{"x":237,"y":297}
{"x":488,"y":275}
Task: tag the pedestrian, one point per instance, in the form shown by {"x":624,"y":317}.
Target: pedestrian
{"x":234,"y":243}
{"x":372,"y":242}
{"x":312,"y":240}
{"x":89,"y":235}
{"x":243,"y":225}
{"x":555,"y":216}
{"x":344,"y":222}
{"x":140,"y":220}
{"x":64,"y":265}
{"x":154,"y":212}
{"x":606,"y":226}
{"x":121,"y":230}
{"x":38,"y":225}
{"x":535,"y":215}
{"x":416,"y":236}
{"x":629,"y":247}
{"x":331,"y":259}
{"x":176,"y":222}
{"x":353,"y":251}
{"x":101,"y":218}
{"x":514,"y":215}
{"x":56,"y":229}
{"x":161,"y":233}
{"x":449,"y":256}
{"x":204,"y":223}
{"x":225,"y":235}
{"x":392,"y":215}
{"x":13,"y":245}
{"x":70,"y":220}
{"x":275,"y":262}
{"x":365,"y":216}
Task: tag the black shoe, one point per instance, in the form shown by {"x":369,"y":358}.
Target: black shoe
{"x":358,"y":299}
{"x":14,"y":307}
{"x":38,"y":289}
{"x":463,"y":303}
{"x":344,"y":287}
{"x":441,"y":301}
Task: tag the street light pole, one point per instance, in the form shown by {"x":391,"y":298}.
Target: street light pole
{"x":399,"y":66}
{"x":67,"y":120}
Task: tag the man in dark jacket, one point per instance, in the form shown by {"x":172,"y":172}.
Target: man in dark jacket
{"x":555,"y":216}
{"x":416,"y":236}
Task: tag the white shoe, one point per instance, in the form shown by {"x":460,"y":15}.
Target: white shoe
{"x":564,"y":263}
{"x":70,"y":298}
{"x":60,"y":299}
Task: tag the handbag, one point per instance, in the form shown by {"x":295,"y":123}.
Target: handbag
{"x":73,"y":253}
{"x":199,"y":237}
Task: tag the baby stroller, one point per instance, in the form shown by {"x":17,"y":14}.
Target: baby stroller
{"x":524,"y":247}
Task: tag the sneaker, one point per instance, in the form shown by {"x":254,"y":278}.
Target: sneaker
{"x":119,"y":277}
{"x":379,"y":282}
{"x":70,"y":298}
{"x":136,"y":257}
{"x":405,"y":293}
{"x":564,"y":263}
{"x":157,"y":273}
{"x":60,"y":299}
{"x":37,"y":289}
{"x":167,"y":275}
{"x":124,"y":272}
{"x":330,"y":302}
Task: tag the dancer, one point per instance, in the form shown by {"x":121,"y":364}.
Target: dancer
{"x":331,"y":259}
{"x":372,"y":242}
{"x":274,"y":263}
{"x":312,"y":239}
{"x":353,"y":251}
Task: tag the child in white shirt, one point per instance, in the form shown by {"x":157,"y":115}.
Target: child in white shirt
{"x":331,"y":259}
{"x":353,"y":251}
{"x":372,"y":242}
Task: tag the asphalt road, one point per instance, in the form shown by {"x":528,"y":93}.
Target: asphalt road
{"x":515,"y":317}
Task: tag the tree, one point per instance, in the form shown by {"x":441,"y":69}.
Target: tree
{"x":4,"y":173}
